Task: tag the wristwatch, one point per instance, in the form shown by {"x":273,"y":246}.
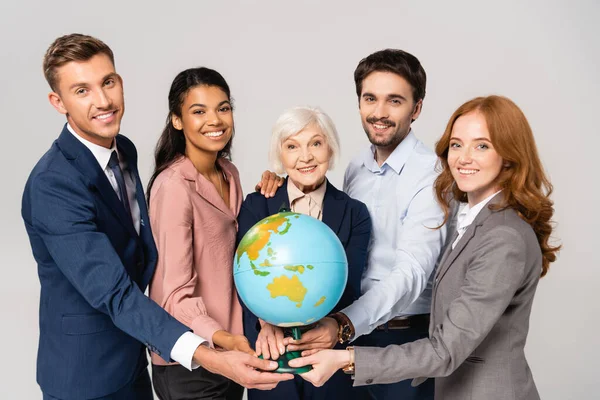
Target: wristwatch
{"x":349,"y":369}
{"x":345,"y":329}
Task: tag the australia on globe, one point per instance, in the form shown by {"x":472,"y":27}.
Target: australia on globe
{"x":290,"y":269}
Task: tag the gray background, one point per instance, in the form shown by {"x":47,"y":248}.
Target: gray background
{"x":277,"y":54}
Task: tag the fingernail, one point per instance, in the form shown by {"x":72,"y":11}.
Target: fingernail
{"x":272,"y":365}
{"x":281,"y":350}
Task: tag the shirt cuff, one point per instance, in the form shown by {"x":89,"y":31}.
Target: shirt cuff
{"x":358,"y":318}
{"x":184,"y":349}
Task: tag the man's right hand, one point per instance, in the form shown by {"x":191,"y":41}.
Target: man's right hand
{"x":240,"y":367}
{"x":269,"y":183}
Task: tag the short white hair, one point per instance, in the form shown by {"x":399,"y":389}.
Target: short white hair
{"x":295,"y":120}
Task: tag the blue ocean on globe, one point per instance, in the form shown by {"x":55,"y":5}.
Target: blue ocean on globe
{"x":290,"y":269}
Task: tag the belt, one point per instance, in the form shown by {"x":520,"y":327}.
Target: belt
{"x":408,"y":321}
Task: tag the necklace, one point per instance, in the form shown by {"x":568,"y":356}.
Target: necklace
{"x":220,"y":183}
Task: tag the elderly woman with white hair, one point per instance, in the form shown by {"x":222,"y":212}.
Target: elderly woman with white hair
{"x":304,"y":145}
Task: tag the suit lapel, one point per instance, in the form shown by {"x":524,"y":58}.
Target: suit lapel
{"x":85,"y":162}
{"x":447,"y":252}
{"x":280,"y":200}
{"x":205,"y":188}
{"x":334,"y":208}
{"x":450,"y":254}
{"x":150,"y":253}
{"x":126,"y":148}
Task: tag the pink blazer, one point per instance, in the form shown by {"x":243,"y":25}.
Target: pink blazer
{"x":195,"y":235}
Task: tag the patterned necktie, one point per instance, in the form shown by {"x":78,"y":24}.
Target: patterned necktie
{"x":113,"y":164}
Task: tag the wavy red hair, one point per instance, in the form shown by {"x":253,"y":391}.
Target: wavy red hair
{"x":525,"y":187}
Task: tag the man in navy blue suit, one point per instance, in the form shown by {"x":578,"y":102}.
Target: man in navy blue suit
{"x":87,"y":221}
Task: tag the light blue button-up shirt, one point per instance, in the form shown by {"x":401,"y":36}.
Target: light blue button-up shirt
{"x":404,"y":247}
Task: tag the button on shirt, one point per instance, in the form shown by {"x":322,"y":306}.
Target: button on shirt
{"x":186,"y":345}
{"x":466,"y":216}
{"x":404,"y":247}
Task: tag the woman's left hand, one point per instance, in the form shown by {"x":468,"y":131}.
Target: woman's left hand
{"x":228,"y":341}
{"x":324,"y":363}
{"x":323,"y":336}
{"x":240,"y":343}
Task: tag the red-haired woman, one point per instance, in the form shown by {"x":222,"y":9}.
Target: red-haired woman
{"x":486,"y":280}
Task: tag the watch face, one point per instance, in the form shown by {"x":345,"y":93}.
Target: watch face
{"x":345,"y":334}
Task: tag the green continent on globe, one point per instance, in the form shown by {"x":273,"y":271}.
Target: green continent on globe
{"x":292,"y":288}
{"x":259,"y":236}
{"x":295,"y":268}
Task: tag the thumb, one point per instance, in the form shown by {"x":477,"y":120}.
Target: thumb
{"x":249,"y":350}
{"x":265,"y":365}
{"x":301,"y":362}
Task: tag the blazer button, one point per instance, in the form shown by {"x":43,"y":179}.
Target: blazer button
{"x":369,"y":381}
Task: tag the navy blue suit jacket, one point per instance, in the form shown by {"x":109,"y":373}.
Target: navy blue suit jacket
{"x":95,"y":320}
{"x":347,"y":217}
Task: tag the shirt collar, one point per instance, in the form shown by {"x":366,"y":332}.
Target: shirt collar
{"x":467,"y":215}
{"x":101,"y":154}
{"x":397,"y":159}
{"x":316,"y":195}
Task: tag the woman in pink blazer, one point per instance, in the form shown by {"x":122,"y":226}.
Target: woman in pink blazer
{"x":194,"y":198}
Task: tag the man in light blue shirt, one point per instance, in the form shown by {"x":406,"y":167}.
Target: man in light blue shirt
{"x":394,"y":177}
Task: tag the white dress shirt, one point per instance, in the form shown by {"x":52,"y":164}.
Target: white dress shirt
{"x":404,"y":247}
{"x":466,"y":216}
{"x":186,"y":345}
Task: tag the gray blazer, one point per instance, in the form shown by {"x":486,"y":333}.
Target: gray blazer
{"x":482,"y":296}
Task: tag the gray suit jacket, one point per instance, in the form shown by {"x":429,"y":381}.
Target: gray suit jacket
{"x":482,"y":296}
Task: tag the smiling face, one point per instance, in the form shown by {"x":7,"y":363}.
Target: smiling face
{"x":206,"y":120}
{"x":90,"y":93}
{"x":305,"y":157}
{"x":474,"y":163}
{"x":387,"y":109}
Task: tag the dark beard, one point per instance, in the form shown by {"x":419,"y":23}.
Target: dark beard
{"x":393,"y":140}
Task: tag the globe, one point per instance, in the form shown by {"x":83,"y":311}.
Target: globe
{"x":290,"y":269}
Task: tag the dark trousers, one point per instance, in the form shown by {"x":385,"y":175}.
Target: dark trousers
{"x":139,"y":389}
{"x":403,"y":389}
{"x":174,"y":382}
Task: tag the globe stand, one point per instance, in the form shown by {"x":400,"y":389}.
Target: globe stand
{"x":283,"y":360}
